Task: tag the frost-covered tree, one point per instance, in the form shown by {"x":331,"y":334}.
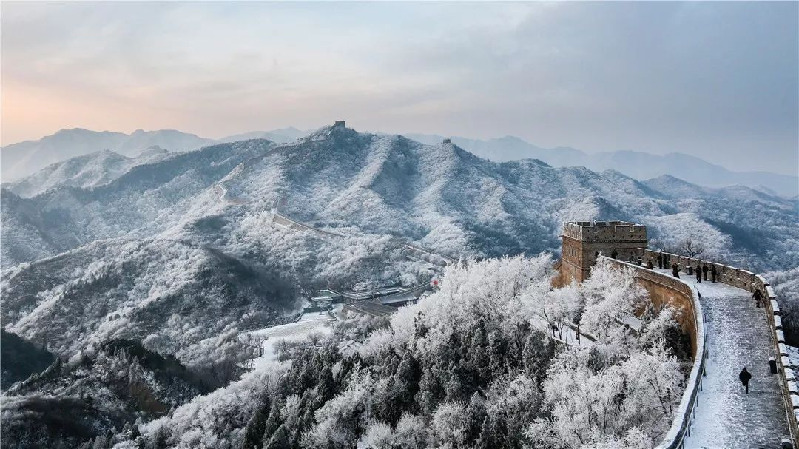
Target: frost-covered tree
{"x":786,"y":287}
{"x":590,"y":403}
{"x":611,"y":296}
{"x":625,"y":386}
{"x":341,"y":420}
{"x":467,"y":366}
{"x":688,"y":235}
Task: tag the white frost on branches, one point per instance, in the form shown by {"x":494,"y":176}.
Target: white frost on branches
{"x":688,"y":235}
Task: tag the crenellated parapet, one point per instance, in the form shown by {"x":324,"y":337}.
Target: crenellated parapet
{"x":584,"y":241}
{"x":749,"y":281}
{"x":624,"y":243}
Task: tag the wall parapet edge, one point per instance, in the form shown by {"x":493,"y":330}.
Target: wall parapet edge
{"x":749,"y":281}
{"x":683,"y":418}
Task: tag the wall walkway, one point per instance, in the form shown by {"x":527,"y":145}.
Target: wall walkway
{"x":668,"y":290}
{"x":727,"y":333}
{"x":738,"y":335}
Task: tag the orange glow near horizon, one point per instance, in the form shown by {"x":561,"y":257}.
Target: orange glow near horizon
{"x":628,"y":80}
{"x":30,"y":112}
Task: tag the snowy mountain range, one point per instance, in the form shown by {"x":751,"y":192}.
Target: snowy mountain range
{"x":183,"y":254}
{"x":91,"y":170}
{"x":24,"y":158}
{"x":638,"y":165}
{"x":439,"y":195}
{"x":142,"y":247}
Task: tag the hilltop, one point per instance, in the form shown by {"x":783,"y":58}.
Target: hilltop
{"x":146,"y":244}
{"x":184,"y":254}
{"x":23,"y":159}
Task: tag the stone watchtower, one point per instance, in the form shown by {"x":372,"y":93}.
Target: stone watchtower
{"x":583,"y":241}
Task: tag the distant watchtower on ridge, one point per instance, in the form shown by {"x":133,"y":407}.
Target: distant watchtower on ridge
{"x":338,"y":123}
{"x":583,"y":241}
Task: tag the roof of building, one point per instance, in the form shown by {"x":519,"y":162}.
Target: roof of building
{"x":599,"y":224}
{"x":370,"y":308}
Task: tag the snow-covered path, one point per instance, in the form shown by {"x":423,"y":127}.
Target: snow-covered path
{"x":738,"y":336}
{"x":310,"y":323}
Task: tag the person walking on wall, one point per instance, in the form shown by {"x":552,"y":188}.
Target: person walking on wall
{"x":744,"y":377}
{"x":704,"y":270}
{"x":675,"y":270}
{"x":660,"y":261}
{"x":698,"y":274}
{"x":650,"y":265}
{"x":614,"y":254}
{"x":758,"y":297}
{"x":690,"y":270}
{"x":713,"y":273}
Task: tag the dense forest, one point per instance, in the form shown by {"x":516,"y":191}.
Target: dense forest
{"x":482,"y":362}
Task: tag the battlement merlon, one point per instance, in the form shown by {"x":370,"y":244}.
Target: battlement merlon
{"x":584,"y":241}
{"x":605,"y":231}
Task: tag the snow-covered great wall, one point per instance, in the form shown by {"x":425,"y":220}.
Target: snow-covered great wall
{"x":738,"y":332}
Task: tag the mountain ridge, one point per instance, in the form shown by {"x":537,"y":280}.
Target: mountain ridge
{"x":24,"y":158}
{"x":186,"y":255}
{"x":378,"y":185}
{"x":636,"y":164}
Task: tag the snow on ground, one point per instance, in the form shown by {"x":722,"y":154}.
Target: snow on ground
{"x":566,"y":335}
{"x":308,"y":324}
{"x":738,"y":336}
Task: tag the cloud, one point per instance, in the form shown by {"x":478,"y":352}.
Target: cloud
{"x":714,"y":79}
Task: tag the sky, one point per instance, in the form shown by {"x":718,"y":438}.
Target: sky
{"x":714,"y":80}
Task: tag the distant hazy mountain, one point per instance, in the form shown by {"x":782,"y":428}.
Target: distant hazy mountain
{"x":284,"y":135}
{"x":635,"y":164}
{"x":91,"y":170}
{"x":22,"y":159}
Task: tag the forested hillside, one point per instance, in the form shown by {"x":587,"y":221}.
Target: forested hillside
{"x":439,"y":195}
{"x":474,"y":364}
{"x":187,"y":255}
